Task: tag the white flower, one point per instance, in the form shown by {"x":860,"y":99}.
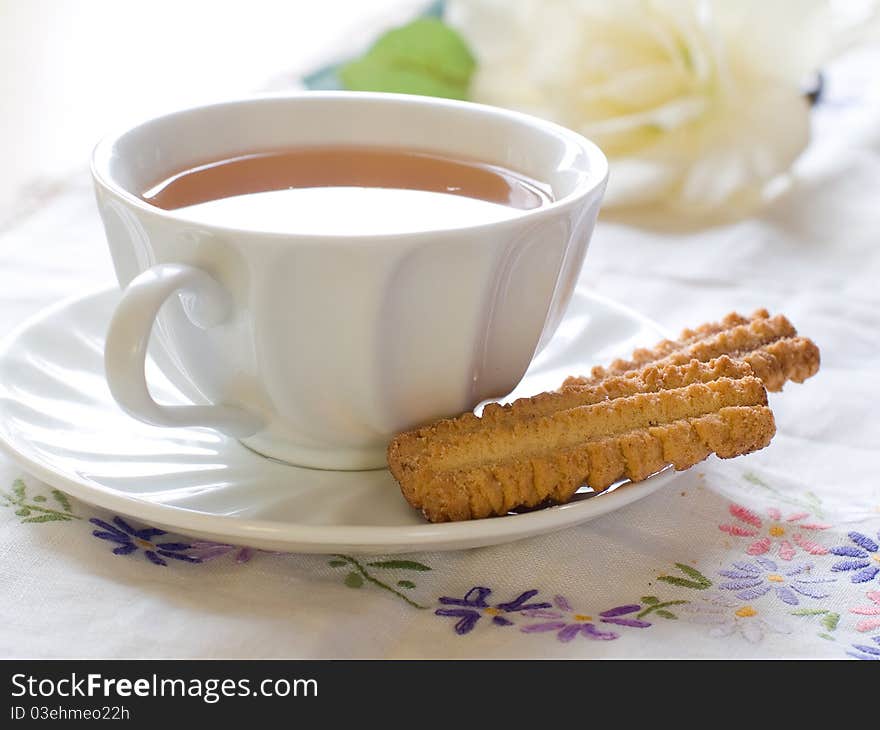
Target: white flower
{"x":697,"y":103}
{"x":727,"y":617}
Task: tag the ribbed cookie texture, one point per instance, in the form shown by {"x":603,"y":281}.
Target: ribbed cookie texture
{"x":673,"y":404}
{"x":542,"y":449}
{"x":769,"y":345}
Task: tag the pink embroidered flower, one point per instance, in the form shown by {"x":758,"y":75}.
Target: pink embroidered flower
{"x":869,"y":624}
{"x":777,"y":531}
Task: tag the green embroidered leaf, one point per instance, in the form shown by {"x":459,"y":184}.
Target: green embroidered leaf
{"x":399,"y":565}
{"x":700,"y":582}
{"x":336,"y":563}
{"x":22,"y":512}
{"x":813,"y":499}
{"x":809,"y":612}
{"x":693,"y":573}
{"x":659,"y":608}
{"x":406,"y":584}
{"x":18,"y":488}
{"x":423,"y":57}
{"x":39,"y":498}
{"x":680,"y":582}
{"x":665,"y":614}
{"x":62,"y":499}
{"x":51,"y":517}
{"x":354,"y":580}
{"x":831,"y":620}
{"x":826,"y":636}
{"x":650,"y":600}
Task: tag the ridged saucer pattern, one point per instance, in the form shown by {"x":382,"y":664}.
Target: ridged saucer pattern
{"x":59,"y":422}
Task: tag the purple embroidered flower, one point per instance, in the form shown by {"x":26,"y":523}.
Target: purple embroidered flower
{"x":567,"y":631}
{"x":210,"y":550}
{"x":754,"y":579}
{"x":474,"y":606}
{"x":864,"y":558}
{"x":866,"y":652}
{"x":128,"y":540}
{"x":569,"y":624}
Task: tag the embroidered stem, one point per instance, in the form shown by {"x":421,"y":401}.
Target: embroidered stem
{"x":811,"y":503}
{"x":654,"y":607}
{"x":36,"y":508}
{"x":18,"y":496}
{"x":365,"y":574}
{"x":829,"y":620}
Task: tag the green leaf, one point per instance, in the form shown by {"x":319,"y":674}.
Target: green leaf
{"x":814,"y":500}
{"x":650,"y":600}
{"x":700,"y":582}
{"x":809,"y":612}
{"x":337,"y":563}
{"x":754,"y":479}
{"x":406,"y":584}
{"x":62,"y":499}
{"x":354,"y":580}
{"x":693,"y":573}
{"x":665,"y":614}
{"x":51,"y":517}
{"x":423,"y":57}
{"x":681,"y":582}
{"x":39,"y":498}
{"x":399,"y":565}
{"x":22,"y":512}
{"x":18,"y":488}
{"x":826,"y":636}
{"x":831,"y":620}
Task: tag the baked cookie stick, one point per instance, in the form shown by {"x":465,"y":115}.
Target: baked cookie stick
{"x":769,"y":345}
{"x":544,"y":448}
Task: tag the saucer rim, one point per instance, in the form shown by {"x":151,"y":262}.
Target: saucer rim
{"x":305,"y":538}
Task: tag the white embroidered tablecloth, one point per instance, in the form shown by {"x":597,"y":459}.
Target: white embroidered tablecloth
{"x":771,"y":555}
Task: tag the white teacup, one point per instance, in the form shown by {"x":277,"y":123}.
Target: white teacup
{"x":316,"y":349}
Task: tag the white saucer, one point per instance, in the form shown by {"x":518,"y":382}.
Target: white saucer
{"x":59,"y":422}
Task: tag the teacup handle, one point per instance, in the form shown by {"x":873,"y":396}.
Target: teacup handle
{"x":125,"y":350}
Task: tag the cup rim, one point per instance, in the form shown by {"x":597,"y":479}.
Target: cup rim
{"x":595,"y":178}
